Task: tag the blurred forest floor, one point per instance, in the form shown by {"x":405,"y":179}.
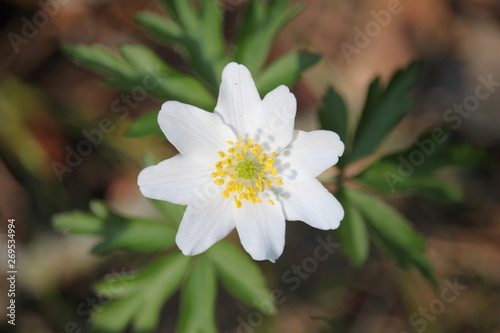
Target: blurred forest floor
{"x":46,"y":101}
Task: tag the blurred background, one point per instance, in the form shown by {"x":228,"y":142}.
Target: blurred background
{"x":46,"y":103}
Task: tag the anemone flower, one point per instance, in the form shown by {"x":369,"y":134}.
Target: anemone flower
{"x":243,"y":166}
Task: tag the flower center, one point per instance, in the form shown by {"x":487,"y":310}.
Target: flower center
{"x":245,"y":172}
{"x":246,"y":169}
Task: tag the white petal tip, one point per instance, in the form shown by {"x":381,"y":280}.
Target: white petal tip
{"x":334,"y":225}
{"x":168,"y":106}
{"x":258,"y":258}
{"x":234,"y":65}
{"x":186,"y":251}
{"x":283,"y":89}
{"x":229,"y":72}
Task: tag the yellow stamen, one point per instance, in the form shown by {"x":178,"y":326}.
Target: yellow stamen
{"x":219,"y":181}
{"x":245,"y":171}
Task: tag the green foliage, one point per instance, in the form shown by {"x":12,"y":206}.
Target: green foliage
{"x":198,"y":32}
{"x":135,"y":234}
{"x":172,"y":212}
{"x":285,"y":70}
{"x":393,"y":233}
{"x":198,"y":299}
{"x":333,"y":115}
{"x":397,"y":175}
{"x":140,"y":68}
{"x":366,"y":216}
{"x":260,"y":24}
{"x":138,"y":299}
{"x":384,"y":108}
{"x":385,"y":176}
{"x":353,"y":233}
{"x":241,"y":276}
{"x":147,"y":124}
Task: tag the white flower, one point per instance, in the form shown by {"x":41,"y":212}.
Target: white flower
{"x":243,"y":166}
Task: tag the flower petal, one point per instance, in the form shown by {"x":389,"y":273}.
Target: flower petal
{"x":238,"y":99}
{"x":194,"y":132}
{"x":311,"y":203}
{"x":204,"y":224}
{"x":174,"y":180}
{"x":274,"y":126}
{"x":309,"y":154}
{"x":261,"y":228}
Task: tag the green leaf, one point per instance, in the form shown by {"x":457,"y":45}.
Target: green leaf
{"x":148,"y":159}
{"x":170,"y":7}
{"x":261,"y":22}
{"x":333,"y":114}
{"x":384,"y":108}
{"x":97,"y":58}
{"x":241,"y":276}
{"x":199,"y":32}
{"x":415,"y":170}
{"x":77,"y":223}
{"x":143,"y":72}
{"x":147,"y":124}
{"x":393,"y":233}
{"x":171,"y":211}
{"x":139,"y":299}
{"x":184,"y":13}
{"x":438,"y":155}
{"x":198,"y":299}
{"x":387,"y":177}
{"x":135,"y":234}
{"x":115,"y":284}
{"x":171,"y":84}
{"x":206,"y":45}
{"x":99,"y":208}
{"x":159,"y":27}
{"x":428,"y":151}
{"x":285,"y":71}
{"x":463,"y":156}
{"x":352,"y":233}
